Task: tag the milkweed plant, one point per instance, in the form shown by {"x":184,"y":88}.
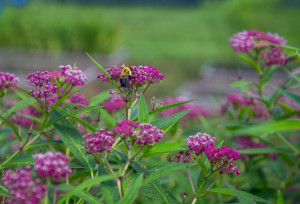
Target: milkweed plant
{"x":56,"y":146}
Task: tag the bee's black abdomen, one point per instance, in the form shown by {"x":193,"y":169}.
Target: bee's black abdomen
{"x":125,"y":82}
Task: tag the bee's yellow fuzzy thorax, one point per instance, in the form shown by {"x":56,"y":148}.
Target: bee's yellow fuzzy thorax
{"x":126,"y":71}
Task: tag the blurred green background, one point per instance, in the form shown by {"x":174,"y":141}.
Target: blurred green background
{"x":178,"y":40}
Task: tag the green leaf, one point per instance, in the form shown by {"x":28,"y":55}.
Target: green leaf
{"x":227,"y":191}
{"x":269,"y":127}
{"x":71,"y":137}
{"x":21,"y":104}
{"x":262,"y":150}
{"x":280,"y":198}
{"x":143,"y":116}
{"x":155,"y":191}
{"x":162,"y":122}
{"x":77,"y":119}
{"x":108,"y":117}
{"x":38,"y":144}
{"x":169,"y":147}
{"x":4,"y":133}
{"x":12,"y":127}
{"x":290,"y":95}
{"x":170,"y":106}
{"x":26,"y":92}
{"x":287,"y":47}
{"x":20,"y":159}
{"x":84,"y":195}
{"x":164,"y":170}
{"x":240,"y":83}
{"x":133,"y":190}
{"x":104,"y":71}
{"x":251,"y":62}
{"x":201,"y":163}
{"x":85,"y":184}
{"x":268,"y":75}
{"x":58,"y":102}
{"x":96,"y":100}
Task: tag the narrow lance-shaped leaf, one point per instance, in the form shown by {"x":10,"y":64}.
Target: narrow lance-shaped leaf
{"x":12,"y":127}
{"x":133,"y":190}
{"x":104,"y":71}
{"x":21,"y":104}
{"x":162,"y":122}
{"x":143,"y":110}
{"x":4,"y":133}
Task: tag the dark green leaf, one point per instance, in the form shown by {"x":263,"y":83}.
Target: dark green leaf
{"x":162,"y":122}
{"x":251,"y":62}
{"x":38,"y":144}
{"x":12,"y":127}
{"x":262,"y":150}
{"x":21,"y":104}
{"x":280,"y":198}
{"x":96,"y":100}
{"x":143,"y":110}
{"x":170,"y":106}
{"x":71,"y":137}
{"x":133,"y":190}
{"x":108,"y":117}
{"x":20,"y":159}
{"x":59,"y":101}
{"x":169,"y":147}
{"x":268,"y":75}
{"x":290,"y":95}
{"x":87,"y":183}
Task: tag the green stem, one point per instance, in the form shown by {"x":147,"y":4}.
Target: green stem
{"x":10,"y":158}
{"x":195,"y":200}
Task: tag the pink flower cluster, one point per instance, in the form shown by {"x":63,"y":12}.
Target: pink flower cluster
{"x":44,"y":82}
{"x":21,"y":118}
{"x":22,"y":186}
{"x":99,"y":141}
{"x":221,"y":159}
{"x":289,"y":102}
{"x":53,"y":165}
{"x":245,"y":41}
{"x":182,"y":157}
{"x":126,"y":128}
{"x":7,"y":77}
{"x":198,"y":143}
{"x":245,"y":99}
{"x":148,"y":134}
{"x":244,"y":142}
{"x":74,"y":76}
{"x":195,"y":110}
{"x":140,"y":74}
{"x":114,"y":103}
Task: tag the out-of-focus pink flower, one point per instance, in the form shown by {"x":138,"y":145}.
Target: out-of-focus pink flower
{"x":194,"y":113}
{"x":53,"y":165}
{"x":244,"y":142}
{"x":7,"y":77}
{"x":22,"y":186}
{"x":78,"y":98}
{"x":114,"y":103}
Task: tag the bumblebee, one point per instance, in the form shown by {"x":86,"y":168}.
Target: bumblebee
{"x":125,"y":77}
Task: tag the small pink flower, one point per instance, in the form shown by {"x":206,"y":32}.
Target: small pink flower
{"x":99,"y":141}
{"x":126,"y":128}
{"x":148,"y":134}
{"x":7,"y":77}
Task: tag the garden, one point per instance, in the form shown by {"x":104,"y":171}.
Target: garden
{"x":123,"y":146}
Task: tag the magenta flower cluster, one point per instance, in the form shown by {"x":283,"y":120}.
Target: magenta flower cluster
{"x":246,"y":99}
{"x":44,"y":82}
{"x":54,"y":165}
{"x":221,"y":159}
{"x":246,"y":41}
{"x":99,"y":141}
{"x":114,"y":103}
{"x":198,"y":143}
{"x":126,"y":128}
{"x":195,"y":109}
{"x":22,"y":186}
{"x":140,"y":74}
{"x":7,"y":77}
{"x":73,"y":75}
{"x":244,"y":142}
{"x":148,"y":134}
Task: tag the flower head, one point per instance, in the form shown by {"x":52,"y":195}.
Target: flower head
{"x":182,"y":157}
{"x":22,"y":186}
{"x":99,"y":141}
{"x":7,"y":77}
{"x":54,"y":165}
{"x":126,"y":128}
{"x":148,"y":134}
{"x":74,"y":76}
{"x":198,"y":143}
{"x":79,"y":98}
